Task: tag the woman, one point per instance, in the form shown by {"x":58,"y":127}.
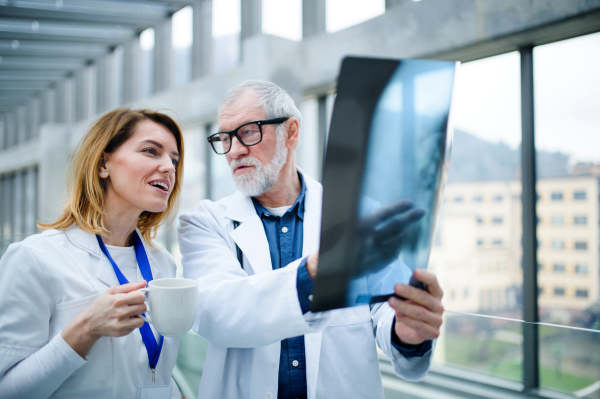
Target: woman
{"x":68,"y":328}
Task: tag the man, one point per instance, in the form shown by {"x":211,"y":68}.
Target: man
{"x":264,"y":341}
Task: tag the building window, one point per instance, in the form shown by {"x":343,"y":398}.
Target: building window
{"x":497,"y":242}
{"x":477,"y":198}
{"x":458,"y":199}
{"x":497,"y":198}
{"x":558,"y":268}
{"x":581,"y":293}
{"x":581,"y":245}
{"x":579,"y":195}
{"x":580,"y":220}
{"x":540,"y":290}
{"x":540,"y":266}
{"x":479,"y":243}
{"x":581,"y":269}
{"x":557,"y":220}
{"x":558,"y":244}
{"x":497,"y":220}
{"x":559,"y":292}
{"x":479,"y":219}
{"x":556,"y":196}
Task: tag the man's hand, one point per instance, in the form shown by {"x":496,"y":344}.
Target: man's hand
{"x":418,"y":319}
{"x":312,"y":264}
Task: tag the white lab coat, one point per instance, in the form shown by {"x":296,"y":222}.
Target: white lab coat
{"x":45,"y":281}
{"x":246,"y":313}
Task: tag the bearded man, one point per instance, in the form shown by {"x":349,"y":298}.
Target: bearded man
{"x":255,"y":256}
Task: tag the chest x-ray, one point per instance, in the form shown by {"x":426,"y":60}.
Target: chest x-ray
{"x":385,"y":168}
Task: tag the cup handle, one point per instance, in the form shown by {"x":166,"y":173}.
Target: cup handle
{"x":146,"y":291}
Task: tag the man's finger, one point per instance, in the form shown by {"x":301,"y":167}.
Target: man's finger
{"x":415,"y":311}
{"x":426,"y":331}
{"x":433,"y":286}
{"x":120,"y":289}
{"x":419,"y":296}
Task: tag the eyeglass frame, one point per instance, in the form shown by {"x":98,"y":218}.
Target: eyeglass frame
{"x":232,"y":133}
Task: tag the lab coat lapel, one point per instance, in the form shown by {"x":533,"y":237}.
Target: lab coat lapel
{"x":104,"y":270}
{"x":310,"y":244}
{"x":250,"y":235}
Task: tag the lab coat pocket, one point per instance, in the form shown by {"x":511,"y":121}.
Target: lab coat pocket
{"x":94,"y":378}
{"x":348,"y":316}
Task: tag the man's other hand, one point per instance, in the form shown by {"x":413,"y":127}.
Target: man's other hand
{"x":419,"y":317}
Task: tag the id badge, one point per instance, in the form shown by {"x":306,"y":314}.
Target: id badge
{"x":154,"y":392}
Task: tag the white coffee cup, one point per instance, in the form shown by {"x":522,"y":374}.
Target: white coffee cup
{"x":173,"y":305}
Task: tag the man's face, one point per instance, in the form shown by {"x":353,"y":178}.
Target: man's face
{"x":255,"y":169}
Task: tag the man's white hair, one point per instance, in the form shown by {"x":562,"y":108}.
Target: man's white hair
{"x":275,"y":101}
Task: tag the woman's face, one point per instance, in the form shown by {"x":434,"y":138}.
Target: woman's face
{"x":140,"y":174}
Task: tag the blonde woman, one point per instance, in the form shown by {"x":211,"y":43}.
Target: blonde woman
{"x":69,"y":318}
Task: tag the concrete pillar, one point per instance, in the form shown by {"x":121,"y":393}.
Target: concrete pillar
{"x":22,"y":125}
{"x":131,"y":68}
{"x":104,"y":83}
{"x":2,"y":136}
{"x":11,"y":129}
{"x":162,"y":55}
{"x":202,"y":39}
{"x":35,"y":117}
{"x":52,"y":169}
{"x":66,"y":100}
{"x":80,"y":82}
{"x":49,"y":106}
{"x":314,"y":14}
{"x":92,"y":86}
{"x":251,"y":23}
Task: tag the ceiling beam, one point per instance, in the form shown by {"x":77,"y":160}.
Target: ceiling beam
{"x":121,"y":18}
{"x":63,"y":38}
{"x":29,"y":76}
{"x":32,"y":85}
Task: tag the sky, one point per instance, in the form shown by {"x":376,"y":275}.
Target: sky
{"x":487,"y":94}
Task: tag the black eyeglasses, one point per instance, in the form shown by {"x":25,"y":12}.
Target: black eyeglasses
{"x":248,"y":134}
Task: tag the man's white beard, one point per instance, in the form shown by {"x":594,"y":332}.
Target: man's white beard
{"x":263,"y":177}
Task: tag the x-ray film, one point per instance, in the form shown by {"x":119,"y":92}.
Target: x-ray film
{"x":386,"y":163}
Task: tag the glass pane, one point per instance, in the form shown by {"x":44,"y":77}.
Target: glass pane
{"x":289,"y":27}
{"x":341,"y":14}
{"x":181,"y":62}
{"x":567,"y":116}
{"x":226,"y":33}
{"x":481,"y":344}
{"x":477,"y":250}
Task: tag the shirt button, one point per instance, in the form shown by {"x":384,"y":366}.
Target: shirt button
{"x":268,"y":395}
{"x":295,"y":363}
{"x":284,"y":229}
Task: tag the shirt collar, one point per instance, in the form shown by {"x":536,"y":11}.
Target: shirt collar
{"x":298,"y":206}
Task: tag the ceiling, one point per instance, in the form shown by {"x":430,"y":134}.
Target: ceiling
{"x":44,"y":41}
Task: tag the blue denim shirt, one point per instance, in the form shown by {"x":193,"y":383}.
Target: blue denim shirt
{"x":285,"y":237}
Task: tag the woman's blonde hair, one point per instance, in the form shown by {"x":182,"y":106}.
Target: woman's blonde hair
{"x":85,"y":203}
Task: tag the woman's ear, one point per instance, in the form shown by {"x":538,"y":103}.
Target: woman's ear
{"x":102,"y":169}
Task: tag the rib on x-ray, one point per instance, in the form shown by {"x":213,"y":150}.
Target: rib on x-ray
{"x":387,"y":158}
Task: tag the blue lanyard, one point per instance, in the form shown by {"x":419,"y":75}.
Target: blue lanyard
{"x":152,"y":347}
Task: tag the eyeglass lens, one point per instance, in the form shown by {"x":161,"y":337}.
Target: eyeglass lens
{"x":248,"y":134}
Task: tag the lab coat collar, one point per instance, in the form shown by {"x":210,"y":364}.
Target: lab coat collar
{"x":104,"y":270}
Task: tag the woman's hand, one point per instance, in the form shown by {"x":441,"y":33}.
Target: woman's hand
{"x":115,"y":313}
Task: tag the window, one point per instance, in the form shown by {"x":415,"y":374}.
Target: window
{"x":458,"y":199}
{"x":497,"y":241}
{"x":540,"y":290}
{"x":479,"y":219}
{"x":559,"y":292}
{"x":479,"y":243}
{"x":540,"y":266}
{"x":557,"y":220}
{"x":558,"y":268}
{"x":581,"y":269}
{"x":497,"y":220}
{"x":556,"y":196}
{"x":558,"y":244}
{"x":497,"y":198}
{"x":579,"y":195}
{"x":580,"y":220}
{"x":477,"y":198}
{"x":581,"y":293}
{"x":581,"y":245}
